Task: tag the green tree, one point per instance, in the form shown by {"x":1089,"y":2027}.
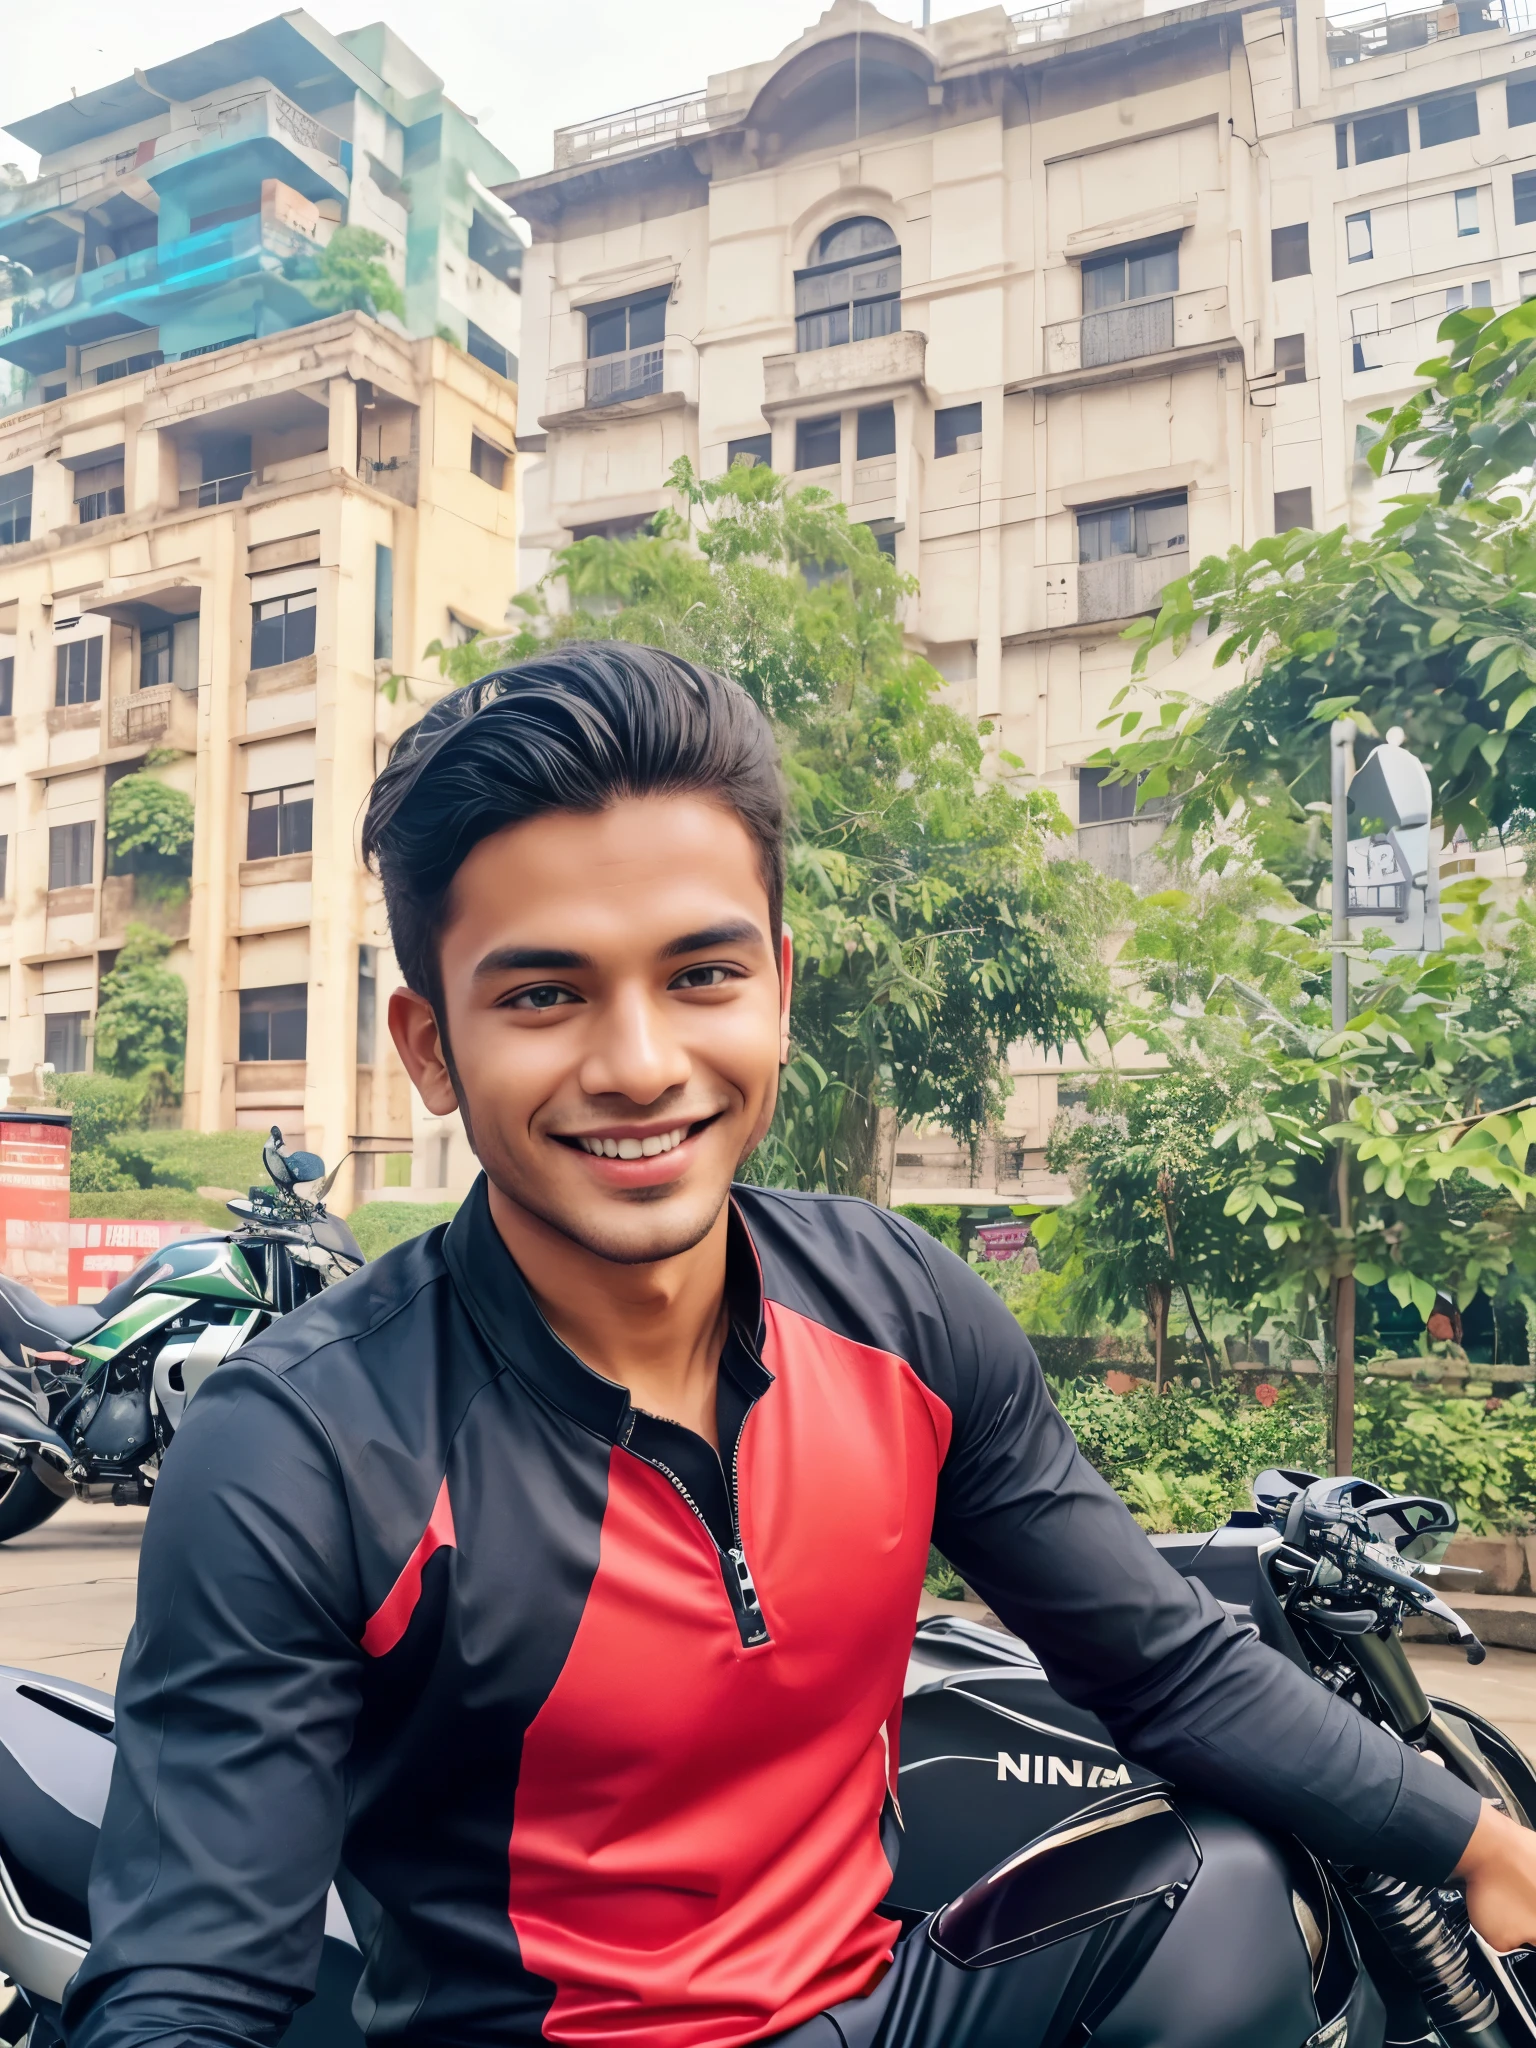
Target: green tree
{"x":149,"y":824}
{"x":347,"y":276}
{"x":932,"y":927}
{"x":141,"y":1021}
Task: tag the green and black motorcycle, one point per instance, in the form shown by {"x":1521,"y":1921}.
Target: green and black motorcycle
{"x":90,"y":1397}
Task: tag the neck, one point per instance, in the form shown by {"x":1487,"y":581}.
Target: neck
{"x":654,"y":1329}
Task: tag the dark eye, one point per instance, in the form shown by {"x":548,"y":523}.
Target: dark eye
{"x":547,"y":996}
{"x":712,"y":976}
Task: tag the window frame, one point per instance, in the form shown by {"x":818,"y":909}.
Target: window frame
{"x":70,"y":689}
{"x":1446,"y":101}
{"x":608,"y":309}
{"x":947,"y":428}
{"x":757,"y":448}
{"x":1138,"y":509}
{"x":12,"y":514}
{"x":870,"y":425}
{"x":1293,"y":525}
{"x":1384,"y":117}
{"x":252,"y":1010}
{"x":54,"y":1022}
{"x":65,"y":846}
{"x":1467,"y":192}
{"x":291,"y":608}
{"x":831,"y":422}
{"x":1287,"y":242}
{"x":485,"y":457}
{"x":1125,"y":256}
{"x":108,"y":499}
{"x":1367,"y":255}
{"x":1523,"y":198}
{"x":7,"y":691}
{"x":863,"y":316}
{"x":297,"y":798}
{"x":1295,"y":370}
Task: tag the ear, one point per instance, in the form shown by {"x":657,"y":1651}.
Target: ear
{"x":413,"y":1027}
{"x":786,"y":991}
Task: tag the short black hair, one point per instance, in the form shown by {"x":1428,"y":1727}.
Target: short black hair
{"x":573,"y":729}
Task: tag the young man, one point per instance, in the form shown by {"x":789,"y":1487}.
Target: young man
{"x":555,"y":1576}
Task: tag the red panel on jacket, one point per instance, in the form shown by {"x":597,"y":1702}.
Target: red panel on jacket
{"x":698,"y":1822}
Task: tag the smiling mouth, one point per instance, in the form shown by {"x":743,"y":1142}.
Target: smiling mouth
{"x":652,"y":1146}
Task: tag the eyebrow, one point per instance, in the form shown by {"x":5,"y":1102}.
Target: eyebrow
{"x":559,"y":959}
{"x":738,"y":932}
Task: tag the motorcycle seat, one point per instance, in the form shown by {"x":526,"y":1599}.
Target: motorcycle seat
{"x":41,"y":1325}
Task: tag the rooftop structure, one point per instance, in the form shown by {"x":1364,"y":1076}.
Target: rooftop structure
{"x":187,"y":207}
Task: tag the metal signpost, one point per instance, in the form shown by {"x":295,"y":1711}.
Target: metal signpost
{"x":1386,"y":806}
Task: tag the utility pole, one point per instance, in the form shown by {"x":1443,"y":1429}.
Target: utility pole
{"x":1343,"y":761}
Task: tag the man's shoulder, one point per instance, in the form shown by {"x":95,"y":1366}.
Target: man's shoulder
{"x":380,"y":1326}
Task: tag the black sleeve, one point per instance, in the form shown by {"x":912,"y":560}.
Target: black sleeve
{"x":236,"y":1704}
{"x":1182,"y":1687}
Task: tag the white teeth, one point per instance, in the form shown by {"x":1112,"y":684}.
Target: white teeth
{"x":634,"y":1148}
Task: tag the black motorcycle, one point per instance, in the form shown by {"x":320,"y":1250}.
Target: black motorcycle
{"x":1146,"y":1917}
{"x":90,"y":1397}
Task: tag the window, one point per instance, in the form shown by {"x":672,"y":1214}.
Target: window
{"x":877,"y":432}
{"x":274,"y":1022}
{"x":64,"y":1041}
{"x":383,"y":602}
{"x":156,"y":647}
{"x":1341,"y":145}
{"x":280,"y":821}
{"x":99,"y":491}
{"x":487,"y":462}
{"x":1481,"y":289}
{"x":1448,"y":120}
{"x":957,"y":429}
{"x":77,"y":672}
{"x":1525,"y":197}
{"x":1528,"y":284}
{"x":7,"y":690}
{"x":225,"y":464}
{"x":128,"y":366}
{"x":282,"y":629}
{"x":1101,"y":802}
{"x":72,"y":855}
{"x":5,"y":849}
{"x":1357,"y":237}
{"x":168,"y":654}
{"x":495,"y":249}
{"x":486,"y":349}
{"x":15,"y":507}
{"x":852,"y":289}
{"x":1381,"y":135}
{"x":884,"y":531}
{"x":753,"y":449}
{"x":819,"y":443}
{"x":367,"y":1003}
{"x":1129,"y":274}
{"x":1289,"y":253}
{"x":1466,"y":212}
{"x":624,"y":349}
{"x":1154,"y":526}
{"x":1293,"y":508}
{"x":1291,"y":358}
{"x":1520,"y":102}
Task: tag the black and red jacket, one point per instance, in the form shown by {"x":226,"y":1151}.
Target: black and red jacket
{"x":606,"y":1726}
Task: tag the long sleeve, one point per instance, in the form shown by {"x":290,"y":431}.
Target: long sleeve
{"x":236,"y":1704}
{"x":1182,"y":1688}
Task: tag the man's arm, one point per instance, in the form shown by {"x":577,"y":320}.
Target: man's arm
{"x":1183,"y":1689}
{"x":235,"y":1707}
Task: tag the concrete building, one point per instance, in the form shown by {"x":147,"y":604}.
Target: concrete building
{"x":228,"y":518}
{"x":1057,"y":301}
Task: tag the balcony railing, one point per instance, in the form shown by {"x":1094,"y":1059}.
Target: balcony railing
{"x":1356,"y":34}
{"x":1146,"y":327}
{"x":640,"y":127}
{"x":668,"y":369}
{"x":265,"y":116}
{"x":1125,"y":586}
{"x":634,"y":373}
{"x":1047,"y":24}
{"x":217,"y":490}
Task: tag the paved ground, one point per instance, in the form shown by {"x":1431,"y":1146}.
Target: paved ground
{"x":67,"y":1592}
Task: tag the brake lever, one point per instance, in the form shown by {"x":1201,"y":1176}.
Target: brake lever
{"x":1432,"y":1604}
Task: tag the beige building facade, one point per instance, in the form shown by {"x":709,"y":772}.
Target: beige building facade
{"x":1059,"y":302}
{"x":242,"y":648}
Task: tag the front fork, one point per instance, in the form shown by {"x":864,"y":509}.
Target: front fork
{"x":1428,"y":1936}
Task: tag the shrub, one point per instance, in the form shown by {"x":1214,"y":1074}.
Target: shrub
{"x":141,"y":1024}
{"x":197,"y":1159}
{"x":153,"y":1205}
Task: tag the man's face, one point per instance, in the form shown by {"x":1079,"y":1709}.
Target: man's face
{"x":617,"y":1017}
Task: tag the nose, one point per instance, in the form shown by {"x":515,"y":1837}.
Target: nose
{"x":631,"y":1051}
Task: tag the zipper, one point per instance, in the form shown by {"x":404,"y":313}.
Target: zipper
{"x":734,"y":1569}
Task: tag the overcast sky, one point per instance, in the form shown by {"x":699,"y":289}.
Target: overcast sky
{"x":522,"y":67}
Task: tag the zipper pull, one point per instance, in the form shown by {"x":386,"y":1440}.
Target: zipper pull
{"x":747,"y":1593}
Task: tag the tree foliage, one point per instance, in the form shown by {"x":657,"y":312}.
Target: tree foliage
{"x":346,"y":276}
{"x":141,"y":1020}
{"x":932,"y":927}
{"x":149,"y":825}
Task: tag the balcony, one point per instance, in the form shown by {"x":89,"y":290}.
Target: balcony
{"x":1146,"y":327}
{"x":1122,"y":587}
{"x":650,"y":126}
{"x":1125,"y":850}
{"x":163,"y":715}
{"x":657,"y":378}
{"x":146,"y":289}
{"x":1356,"y":34}
{"x":86,"y":182}
{"x":852,"y":370}
{"x":232,"y":147}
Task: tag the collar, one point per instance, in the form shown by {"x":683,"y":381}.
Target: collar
{"x":498,"y":1302}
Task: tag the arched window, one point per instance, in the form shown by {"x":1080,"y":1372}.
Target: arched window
{"x":853,"y":288}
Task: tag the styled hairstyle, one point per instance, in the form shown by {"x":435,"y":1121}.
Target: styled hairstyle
{"x":575,"y":729}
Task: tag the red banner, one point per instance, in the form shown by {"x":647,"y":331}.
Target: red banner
{"x":1002,"y":1240}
